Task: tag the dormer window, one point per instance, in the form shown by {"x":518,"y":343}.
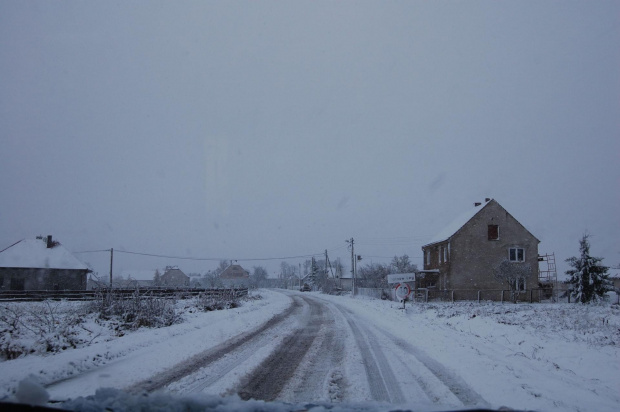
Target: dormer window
{"x":493,"y":232}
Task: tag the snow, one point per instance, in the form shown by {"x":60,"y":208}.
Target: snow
{"x":526,"y":356}
{"x":456,"y":224}
{"x":34,"y":253}
{"x":548,"y":357}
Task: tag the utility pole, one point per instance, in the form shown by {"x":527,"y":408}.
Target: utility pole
{"x":351,"y":242}
{"x":328,"y":264}
{"x":111,"y":263}
{"x":326,"y":260}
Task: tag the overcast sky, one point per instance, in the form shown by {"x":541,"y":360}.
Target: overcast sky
{"x":273,"y":129}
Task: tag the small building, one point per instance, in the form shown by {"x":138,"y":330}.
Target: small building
{"x":174,"y":277}
{"x":345,"y":282}
{"x":467,"y":252}
{"x":41,"y":264}
{"x":235,"y":276}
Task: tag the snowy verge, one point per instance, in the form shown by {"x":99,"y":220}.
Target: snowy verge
{"x":524,"y":356}
{"x":157,"y":348}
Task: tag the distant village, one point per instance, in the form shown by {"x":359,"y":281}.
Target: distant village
{"x":463,"y":261}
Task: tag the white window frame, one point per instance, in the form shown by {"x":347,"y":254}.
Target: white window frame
{"x":516,"y":249}
{"x":428,"y":256}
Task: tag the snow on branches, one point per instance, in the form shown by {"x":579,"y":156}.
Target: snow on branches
{"x":588,"y":278}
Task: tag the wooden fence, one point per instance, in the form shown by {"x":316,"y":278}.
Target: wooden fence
{"x":182,"y":293}
{"x":428,"y":295}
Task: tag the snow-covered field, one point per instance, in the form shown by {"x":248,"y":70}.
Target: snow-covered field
{"x":524,"y":356}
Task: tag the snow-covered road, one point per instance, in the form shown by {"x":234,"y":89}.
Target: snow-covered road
{"x":313,"y":349}
{"x":309,"y":347}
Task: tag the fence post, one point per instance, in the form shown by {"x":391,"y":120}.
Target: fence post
{"x":531,"y":295}
{"x":478,"y":296}
{"x":502,"y":299}
{"x":426,"y":297}
{"x":452,"y":296}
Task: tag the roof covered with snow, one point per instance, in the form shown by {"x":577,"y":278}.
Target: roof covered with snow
{"x":34,"y":253}
{"x":235,"y":272}
{"x":457,"y":223}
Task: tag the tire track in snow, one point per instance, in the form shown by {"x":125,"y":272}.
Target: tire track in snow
{"x":204,"y":359}
{"x":381,"y":379}
{"x":455,"y":384}
{"x":270,"y":377}
{"x":319,"y":376}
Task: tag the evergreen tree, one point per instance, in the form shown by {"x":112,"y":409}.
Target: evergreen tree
{"x":314,"y":272}
{"x":589,"y":279}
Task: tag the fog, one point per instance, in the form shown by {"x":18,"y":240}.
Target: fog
{"x":247,"y":130}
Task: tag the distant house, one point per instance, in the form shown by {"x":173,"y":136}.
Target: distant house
{"x":615,"y":282}
{"x":235,"y":275}
{"x":174,"y":277}
{"x":466,"y":253}
{"x":41,"y":264}
{"x":136,"y":278}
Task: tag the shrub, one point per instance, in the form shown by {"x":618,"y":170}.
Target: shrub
{"x":38,"y":327}
{"x":136,"y":311}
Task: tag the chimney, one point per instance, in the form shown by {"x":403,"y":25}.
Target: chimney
{"x":488,"y":199}
{"x":477,"y":204}
{"x":49,"y":241}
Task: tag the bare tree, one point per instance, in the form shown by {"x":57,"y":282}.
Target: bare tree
{"x":211,"y":279}
{"x":221,"y":267}
{"x":373,"y":275}
{"x":402,"y":264}
{"x":338,"y":268}
{"x":258,"y":277}
{"x":514,"y":275}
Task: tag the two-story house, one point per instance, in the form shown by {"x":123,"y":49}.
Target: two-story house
{"x":468,"y":251}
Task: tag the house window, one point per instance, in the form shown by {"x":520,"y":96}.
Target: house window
{"x":519,"y":284}
{"x":438,"y":255}
{"x":493,"y":232}
{"x":516,"y":254}
{"x":428,"y":256}
{"x":445,"y":254}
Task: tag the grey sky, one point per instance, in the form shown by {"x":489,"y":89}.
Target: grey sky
{"x":270,"y":129}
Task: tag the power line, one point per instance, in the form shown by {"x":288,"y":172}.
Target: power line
{"x":200,"y":258}
{"x":392,"y":257}
{"x":92,"y":251}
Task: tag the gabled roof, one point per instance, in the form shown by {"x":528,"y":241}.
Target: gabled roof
{"x":174,"y":273}
{"x":462,"y":220}
{"x":457,"y":224}
{"x":34,"y":253}
{"x":235,"y":272}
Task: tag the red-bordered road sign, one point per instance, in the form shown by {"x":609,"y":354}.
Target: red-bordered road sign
{"x":402,"y":291}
